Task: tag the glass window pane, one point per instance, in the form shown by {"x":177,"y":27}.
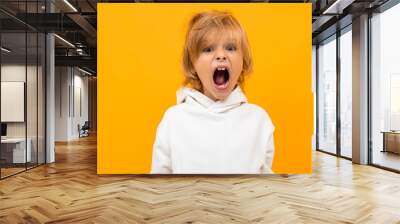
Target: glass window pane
{"x":327,"y":96}
{"x":41,"y":98}
{"x":14,"y":150}
{"x":346,"y":94}
{"x":386,"y":88}
{"x":23,"y":88}
{"x":32,"y":95}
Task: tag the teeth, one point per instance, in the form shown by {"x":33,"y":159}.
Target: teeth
{"x":221,"y":69}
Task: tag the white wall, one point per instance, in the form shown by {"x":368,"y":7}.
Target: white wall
{"x":71,"y":93}
{"x":12,"y":101}
{"x":13,"y":73}
{"x":81,"y":82}
{"x":62,"y":81}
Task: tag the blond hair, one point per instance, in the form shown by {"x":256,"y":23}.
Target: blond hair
{"x":200,"y":25}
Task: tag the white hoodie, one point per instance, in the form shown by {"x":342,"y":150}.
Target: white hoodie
{"x":201,"y":136}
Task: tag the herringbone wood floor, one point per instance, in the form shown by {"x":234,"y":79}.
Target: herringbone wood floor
{"x":69,"y":191}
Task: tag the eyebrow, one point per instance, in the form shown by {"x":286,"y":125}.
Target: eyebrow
{"x":232,"y":43}
{"x":207,"y":41}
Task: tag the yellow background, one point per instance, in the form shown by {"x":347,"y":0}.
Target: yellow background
{"x":139,"y":55}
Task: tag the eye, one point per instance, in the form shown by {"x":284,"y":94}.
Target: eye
{"x":207,"y":49}
{"x":231,"y":48}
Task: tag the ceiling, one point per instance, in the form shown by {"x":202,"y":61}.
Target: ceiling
{"x":72,"y":20}
{"x":329,"y":16}
{"x":76,"y":22}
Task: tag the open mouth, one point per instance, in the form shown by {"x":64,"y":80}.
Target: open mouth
{"x":221,"y":77}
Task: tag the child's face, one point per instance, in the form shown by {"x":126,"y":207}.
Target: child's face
{"x":219,"y":65}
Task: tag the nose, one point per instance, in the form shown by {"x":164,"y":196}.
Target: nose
{"x":221,"y":58}
{"x":220,"y":55}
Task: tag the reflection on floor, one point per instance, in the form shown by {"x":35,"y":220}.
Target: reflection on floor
{"x":10,"y":169}
{"x":386,"y":159}
{"x":70,"y":191}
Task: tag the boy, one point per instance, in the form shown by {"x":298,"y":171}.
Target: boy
{"x":212,"y":129}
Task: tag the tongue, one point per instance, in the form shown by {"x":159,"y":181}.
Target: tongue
{"x":220,"y":80}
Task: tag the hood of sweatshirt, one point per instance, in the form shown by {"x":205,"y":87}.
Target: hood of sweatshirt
{"x":192,"y":96}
